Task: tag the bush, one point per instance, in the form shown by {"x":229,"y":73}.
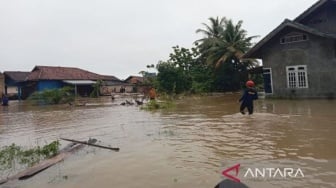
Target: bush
{"x":156,"y":105}
{"x":95,"y":92}
{"x":13,"y":154}
{"x":53,"y":96}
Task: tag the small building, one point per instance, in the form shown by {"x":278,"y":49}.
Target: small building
{"x":299,"y":56}
{"x":49,"y":77}
{"x":110,"y":84}
{"x":136,"y":84}
{"x":14,"y":81}
{"x":135,"y":80}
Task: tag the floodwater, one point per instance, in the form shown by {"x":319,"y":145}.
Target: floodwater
{"x":187,"y":146}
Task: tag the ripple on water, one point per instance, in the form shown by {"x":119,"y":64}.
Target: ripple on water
{"x":188,"y":146}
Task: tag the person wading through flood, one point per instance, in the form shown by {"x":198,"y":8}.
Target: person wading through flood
{"x":4,"y":100}
{"x":152,"y":93}
{"x":250,"y":94}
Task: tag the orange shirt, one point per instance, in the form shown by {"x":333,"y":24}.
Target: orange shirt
{"x":152,"y":93}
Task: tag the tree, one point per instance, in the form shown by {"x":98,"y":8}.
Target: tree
{"x":212,"y":35}
{"x":231,"y":46}
{"x":96,"y":87}
{"x":222,"y":48}
{"x":175,"y":75}
{"x":172,"y":79}
{"x":214,"y":30}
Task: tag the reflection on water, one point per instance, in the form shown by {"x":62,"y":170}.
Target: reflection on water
{"x":187,"y":146}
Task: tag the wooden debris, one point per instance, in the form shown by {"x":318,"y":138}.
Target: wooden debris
{"x":90,"y":144}
{"x":31,"y":171}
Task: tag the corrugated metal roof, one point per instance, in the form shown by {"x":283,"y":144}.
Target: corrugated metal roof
{"x":79,"y":82}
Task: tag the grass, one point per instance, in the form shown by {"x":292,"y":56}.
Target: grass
{"x":13,"y":155}
{"x":156,"y":105}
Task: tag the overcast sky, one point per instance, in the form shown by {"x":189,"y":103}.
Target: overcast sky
{"x":120,"y":37}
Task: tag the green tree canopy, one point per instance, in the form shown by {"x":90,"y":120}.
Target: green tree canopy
{"x":222,"y":48}
{"x":214,"y":64}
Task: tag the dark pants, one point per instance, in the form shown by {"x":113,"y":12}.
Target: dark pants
{"x":248,"y":106}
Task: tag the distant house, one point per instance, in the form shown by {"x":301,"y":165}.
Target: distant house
{"x":299,"y":56}
{"x":135,"y":80}
{"x":48,"y":77}
{"x":135,"y":84}
{"x":14,"y":81}
{"x":110,"y":84}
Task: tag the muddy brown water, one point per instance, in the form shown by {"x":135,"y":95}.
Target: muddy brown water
{"x":187,"y":146}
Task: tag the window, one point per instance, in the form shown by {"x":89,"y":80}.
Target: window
{"x":293,"y":38}
{"x":297,"y":76}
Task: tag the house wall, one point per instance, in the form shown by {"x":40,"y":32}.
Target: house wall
{"x":9,"y":81}
{"x":83,"y":90}
{"x":107,"y":90}
{"x":49,"y":84}
{"x":12,"y":90}
{"x":319,"y":54}
{"x":11,"y":87}
{"x":323,"y":20}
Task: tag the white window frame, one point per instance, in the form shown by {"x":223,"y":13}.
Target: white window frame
{"x":297,"y":76}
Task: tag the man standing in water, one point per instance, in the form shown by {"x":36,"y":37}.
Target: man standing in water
{"x":152,"y":93}
{"x":249,"y":95}
{"x":4,"y":100}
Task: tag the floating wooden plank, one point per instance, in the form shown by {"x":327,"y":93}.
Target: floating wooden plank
{"x":31,"y":171}
{"x":90,"y":144}
{"x":41,"y":166}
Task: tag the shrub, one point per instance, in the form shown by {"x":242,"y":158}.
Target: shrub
{"x":53,"y":96}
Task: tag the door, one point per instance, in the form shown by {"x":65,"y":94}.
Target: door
{"x":268,"y":85}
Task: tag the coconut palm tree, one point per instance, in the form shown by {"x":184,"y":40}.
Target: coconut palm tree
{"x":222,"y":48}
{"x":212,"y":34}
{"x":214,"y":30}
{"x":231,"y":46}
{"x":223,"y":41}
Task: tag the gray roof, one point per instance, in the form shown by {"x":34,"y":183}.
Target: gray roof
{"x":252,"y":53}
{"x":312,"y":9}
{"x":17,"y":76}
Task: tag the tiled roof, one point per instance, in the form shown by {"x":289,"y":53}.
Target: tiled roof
{"x":61,"y":73}
{"x":109,"y":78}
{"x":134,"y":79}
{"x":17,"y":75}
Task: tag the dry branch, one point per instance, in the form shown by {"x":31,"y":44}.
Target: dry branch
{"x":90,"y":144}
